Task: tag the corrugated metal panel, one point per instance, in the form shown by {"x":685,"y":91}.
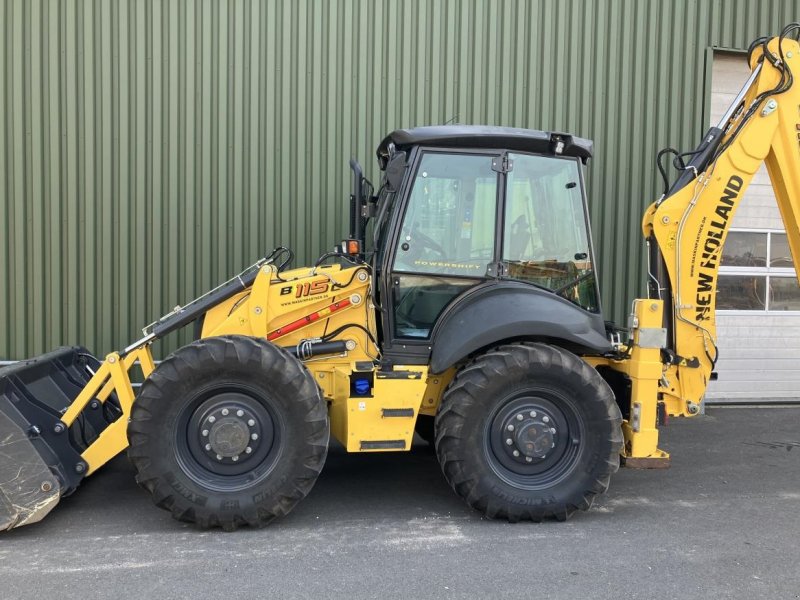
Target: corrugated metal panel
{"x":149,"y":149}
{"x":758,"y":358}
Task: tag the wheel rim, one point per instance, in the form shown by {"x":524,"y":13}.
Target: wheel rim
{"x":534,"y":439}
{"x":228,"y":437}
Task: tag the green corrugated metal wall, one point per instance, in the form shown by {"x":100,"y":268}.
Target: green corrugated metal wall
{"x":150,"y":149}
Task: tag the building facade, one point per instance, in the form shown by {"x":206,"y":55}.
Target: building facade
{"x":151,"y":149}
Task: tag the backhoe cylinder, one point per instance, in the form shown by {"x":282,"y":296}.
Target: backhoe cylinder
{"x":702,"y":156}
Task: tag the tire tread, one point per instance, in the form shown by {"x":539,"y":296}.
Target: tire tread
{"x":286,"y":372}
{"x":467,"y":393}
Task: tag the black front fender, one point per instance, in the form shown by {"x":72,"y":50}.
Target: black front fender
{"x":496,"y":312}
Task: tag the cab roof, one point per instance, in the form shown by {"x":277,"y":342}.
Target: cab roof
{"x":485,"y":136}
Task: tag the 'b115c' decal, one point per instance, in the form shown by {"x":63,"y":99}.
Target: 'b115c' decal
{"x":306,"y":289}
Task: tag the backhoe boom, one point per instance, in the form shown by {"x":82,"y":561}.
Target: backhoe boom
{"x":676,"y":326}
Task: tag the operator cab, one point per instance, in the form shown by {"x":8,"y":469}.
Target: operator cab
{"x":466,"y":210}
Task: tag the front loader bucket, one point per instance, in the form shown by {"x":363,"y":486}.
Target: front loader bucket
{"x":40,"y":457}
{"x":28,"y":488}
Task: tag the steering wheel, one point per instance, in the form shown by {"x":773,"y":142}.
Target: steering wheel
{"x":414,"y":242}
{"x":427,"y":242}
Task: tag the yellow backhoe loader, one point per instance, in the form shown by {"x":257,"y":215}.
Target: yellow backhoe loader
{"x":464,"y":305}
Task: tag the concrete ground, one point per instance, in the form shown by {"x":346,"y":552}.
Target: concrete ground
{"x":721,"y":523}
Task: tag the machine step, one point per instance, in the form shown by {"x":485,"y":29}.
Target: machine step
{"x":397,"y":412}
{"x":383,"y":445}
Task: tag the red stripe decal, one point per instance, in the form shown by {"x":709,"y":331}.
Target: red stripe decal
{"x":308,"y":319}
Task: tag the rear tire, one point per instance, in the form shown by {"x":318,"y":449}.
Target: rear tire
{"x":228,"y":431}
{"x":521,"y":393}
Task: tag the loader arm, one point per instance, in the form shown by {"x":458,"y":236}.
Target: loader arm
{"x":672,"y":352}
{"x":65,"y":414}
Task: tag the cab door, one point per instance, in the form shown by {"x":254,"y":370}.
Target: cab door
{"x":444,"y":245}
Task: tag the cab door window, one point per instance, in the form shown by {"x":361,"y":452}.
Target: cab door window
{"x":447,"y":238}
{"x":449,"y":224}
{"x":546,"y":239}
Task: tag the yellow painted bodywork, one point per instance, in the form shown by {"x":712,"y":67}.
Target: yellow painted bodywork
{"x":383,"y":420}
{"x":360,"y":419}
{"x":113,"y":375}
{"x":645,"y":370}
{"x":434,"y":390}
{"x":274,"y":302}
{"x":690,"y":227}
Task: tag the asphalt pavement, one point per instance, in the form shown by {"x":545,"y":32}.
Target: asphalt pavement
{"x":722,"y":522}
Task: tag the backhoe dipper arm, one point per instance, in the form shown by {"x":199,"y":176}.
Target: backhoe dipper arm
{"x":691,"y":223}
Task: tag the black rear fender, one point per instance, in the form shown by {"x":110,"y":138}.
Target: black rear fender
{"x":499,"y":312}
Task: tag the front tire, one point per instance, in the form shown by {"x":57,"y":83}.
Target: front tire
{"x":228,"y":431}
{"x":527,"y":432}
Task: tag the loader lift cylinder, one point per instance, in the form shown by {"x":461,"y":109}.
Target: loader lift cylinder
{"x":184,"y":316}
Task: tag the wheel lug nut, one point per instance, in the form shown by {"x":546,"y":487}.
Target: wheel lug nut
{"x":552,"y":445}
{"x":239,"y":413}
{"x":533,"y":414}
{"x":510,"y":428}
{"x":251,"y":423}
{"x":235,"y":458}
{"x":205,"y":432}
{"x":520,"y":417}
{"x":254,"y":436}
{"x":248,"y":450}
{"x":208,"y":446}
{"x":224,"y":412}
{"x":546,"y":419}
{"x":509,"y":441}
{"x":212,"y":418}
{"x":219,"y":457}
{"x":552,"y":430}
{"x":528,"y":459}
{"x":515,"y":453}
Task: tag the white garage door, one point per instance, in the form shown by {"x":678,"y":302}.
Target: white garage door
{"x":758,"y":304}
